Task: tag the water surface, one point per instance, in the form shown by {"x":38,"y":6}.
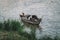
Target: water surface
{"x":48,"y":10}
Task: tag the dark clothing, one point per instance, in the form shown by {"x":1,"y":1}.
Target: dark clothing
{"x":35,"y":17}
{"x":28,"y":16}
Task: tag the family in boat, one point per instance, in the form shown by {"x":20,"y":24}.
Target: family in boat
{"x":33,"y":19}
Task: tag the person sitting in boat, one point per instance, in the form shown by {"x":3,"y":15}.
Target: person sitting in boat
{"x":35,"y":17}
{"x":32,"y":18}
{"x":22,"y":15}
{"x":25,"y":16}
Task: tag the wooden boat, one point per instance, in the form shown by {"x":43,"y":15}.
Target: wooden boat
{"x":24,"y":19}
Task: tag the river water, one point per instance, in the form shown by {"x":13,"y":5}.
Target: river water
{"x":48,"y":10}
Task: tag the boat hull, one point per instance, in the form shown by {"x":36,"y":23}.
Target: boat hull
{"x":30,"y":22}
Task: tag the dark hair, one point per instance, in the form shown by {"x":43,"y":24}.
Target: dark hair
{"x":28,"y":16}
{"x":34,"y":16}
